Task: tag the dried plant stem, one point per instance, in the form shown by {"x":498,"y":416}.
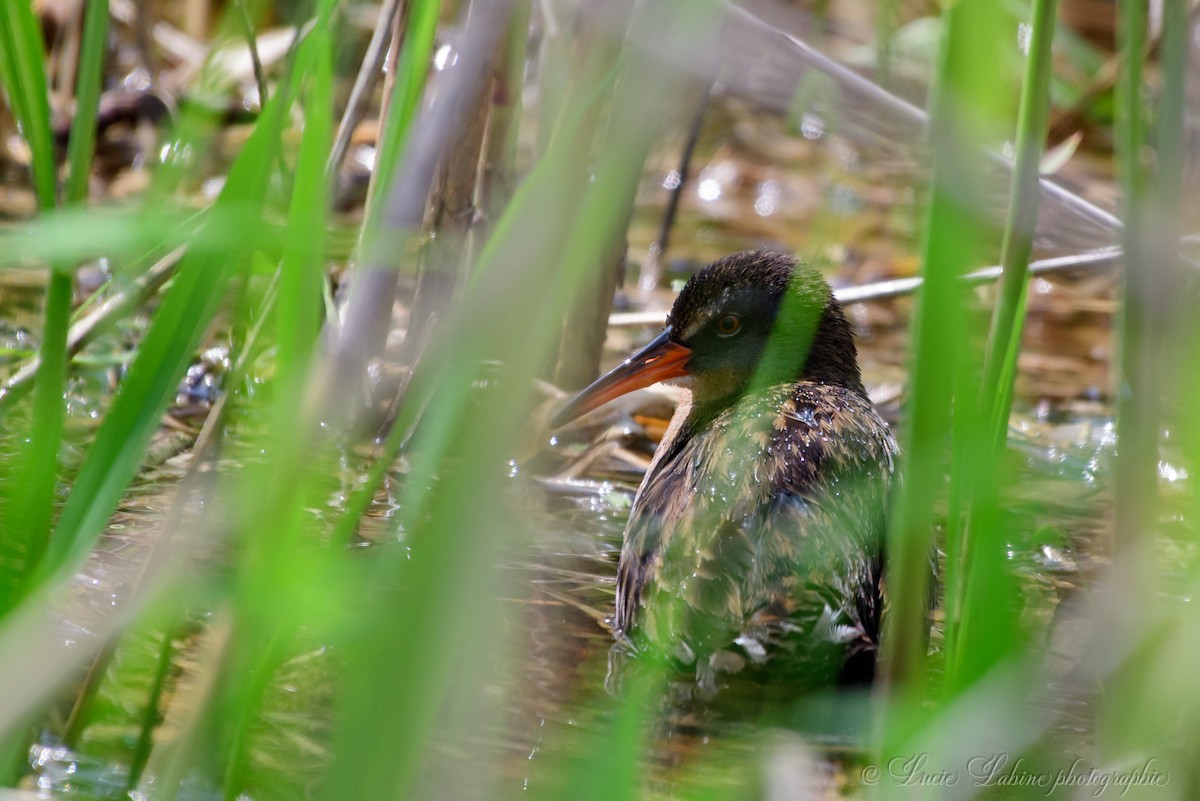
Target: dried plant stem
{"x":451,"y":217}
{"x":364,"y":84}
{"x":498,"y":173}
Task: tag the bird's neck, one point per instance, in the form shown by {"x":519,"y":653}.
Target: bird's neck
{"x":832,"y":357}
{"x":751,"y":401}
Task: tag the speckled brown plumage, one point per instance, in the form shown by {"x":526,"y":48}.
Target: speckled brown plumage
{"x":760,"y":534}
{"x":756,"y":536}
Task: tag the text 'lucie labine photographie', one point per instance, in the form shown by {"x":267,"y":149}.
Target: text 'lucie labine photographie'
{"x":687,"y":399}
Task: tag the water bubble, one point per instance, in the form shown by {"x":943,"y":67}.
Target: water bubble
{"x":812,"y":126}
{"x":443,"y":59}
{"x":768,"y":198}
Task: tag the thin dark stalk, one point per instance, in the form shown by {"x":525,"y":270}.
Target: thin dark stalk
{"x":581,"y":344}
{"x":1155,"y":288}
{"x":247,"y":26}
{"x":400,"y":41}
{"x":77,"y":720}
{"x":652,"y":268}
{"x":152,"y":713}
{"x":143,"y":35}
{"x":63,"y":58}
{"x":250,"y":663}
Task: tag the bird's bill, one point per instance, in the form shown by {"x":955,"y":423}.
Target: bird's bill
{"x":661,"y":360}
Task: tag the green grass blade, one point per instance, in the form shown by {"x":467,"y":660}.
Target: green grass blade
{"x":607,"y":767}
{"x":25,"y":80}
{"x":298,"y":311}
{"x":1137,"y":405}
{"x":543,"y":192}
{"x":49,"y":406}
{"x":982,"y":617}
{"x":185,"y":313}
{"x":434,"y":595}
{"x":1004,"y":339}
{"x":87,"y":100}
{"x":73,"y":235}
{"x":50,"y":382}
{"x":1157,"y":325}
{"x":273,"y":567}
{"x":152,"y":710}
{"x":31,"y":507}
{"x":963,"y":117}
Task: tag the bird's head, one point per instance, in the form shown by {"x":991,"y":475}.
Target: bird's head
{"x":753,"y":319}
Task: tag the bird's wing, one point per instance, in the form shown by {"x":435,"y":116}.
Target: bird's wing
{"x":765,"y":518}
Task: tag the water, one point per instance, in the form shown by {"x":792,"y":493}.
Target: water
{"x":822,"y":193}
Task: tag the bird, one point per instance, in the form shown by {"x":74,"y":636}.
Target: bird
{"x":755,"y":541}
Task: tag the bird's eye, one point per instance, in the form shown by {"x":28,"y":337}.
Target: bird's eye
{"x":728,"y":325}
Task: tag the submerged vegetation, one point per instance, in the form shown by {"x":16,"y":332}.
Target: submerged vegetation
{"x":290,"y":293}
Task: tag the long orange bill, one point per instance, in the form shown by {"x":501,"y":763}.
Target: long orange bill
{"x":660,"y":360}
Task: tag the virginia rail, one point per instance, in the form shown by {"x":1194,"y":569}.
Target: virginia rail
{"x":755,"y":539}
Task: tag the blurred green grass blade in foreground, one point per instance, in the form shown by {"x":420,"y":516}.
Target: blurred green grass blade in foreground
{"x":965,"y":105}
{"x":186,"y":310}
{"x":29,"y":506}
{"x":983,"y":606}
